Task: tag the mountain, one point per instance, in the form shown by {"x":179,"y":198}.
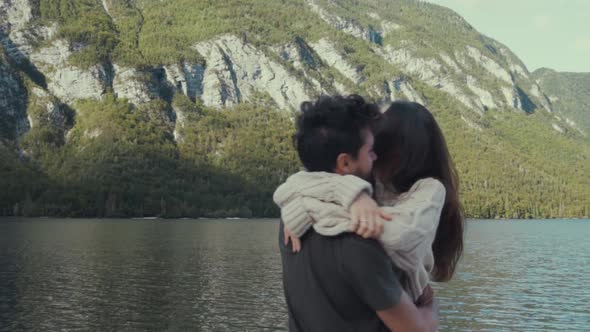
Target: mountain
{"x":184,"y":108}
{"x":570,"y":96}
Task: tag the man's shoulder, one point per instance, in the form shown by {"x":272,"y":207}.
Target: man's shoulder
{"x":349,"y":241}
{"x":357,"y":243}
{"x":371,"y":273}
{"x":367,"y":255}
{"x":358,"y":253}
{"x":353,"y":249}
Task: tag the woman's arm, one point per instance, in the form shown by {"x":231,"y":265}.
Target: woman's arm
{"x":415,"y":217}
{"x":408,"y":238}
{"x":308,"y":194}
{"x":324,"y":186}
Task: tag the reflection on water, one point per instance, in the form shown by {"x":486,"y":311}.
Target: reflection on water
{"x":521,"y":276}
{"x":226,"y":276}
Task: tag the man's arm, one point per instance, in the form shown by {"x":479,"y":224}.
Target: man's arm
{"x":375,"y":280}
{"x":406,"y":317}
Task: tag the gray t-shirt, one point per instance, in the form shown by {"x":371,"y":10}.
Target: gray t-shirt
{"x":338,"y":283}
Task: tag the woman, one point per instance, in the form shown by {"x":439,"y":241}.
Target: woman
{"x":414,"y":181}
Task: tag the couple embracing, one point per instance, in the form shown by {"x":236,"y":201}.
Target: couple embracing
{"x":373,"y":219}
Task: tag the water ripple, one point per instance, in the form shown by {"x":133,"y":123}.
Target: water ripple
{"x":226,"y":276}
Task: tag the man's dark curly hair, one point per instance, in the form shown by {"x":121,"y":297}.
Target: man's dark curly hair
{"x":330,"y":126}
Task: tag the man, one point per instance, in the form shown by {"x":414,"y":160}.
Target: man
{"x":345,"y":282}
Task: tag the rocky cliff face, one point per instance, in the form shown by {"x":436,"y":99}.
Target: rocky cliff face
{"x":234,"y":71}
{"x":13,"y":95}
{"x":481,"y":74}
{"x":457,"y":72}
{"x":70,"y":83}
{"x":13,"y":99}
{"x":15,"y":35}
{"x":569,"y":94}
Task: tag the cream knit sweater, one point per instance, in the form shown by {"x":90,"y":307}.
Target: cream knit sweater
{"x":322,"y":200}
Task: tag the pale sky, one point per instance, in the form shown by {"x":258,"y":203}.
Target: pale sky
{"x":542,"y":33}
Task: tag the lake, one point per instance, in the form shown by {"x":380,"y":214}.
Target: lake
{"x":225,"y":275}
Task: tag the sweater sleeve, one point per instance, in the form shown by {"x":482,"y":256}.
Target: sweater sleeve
{"x":295,"y":216}
{"x":305,"y":194}
{"x":339,"y":189}
{"x":293,"y":213}
{"x":415,"y":218}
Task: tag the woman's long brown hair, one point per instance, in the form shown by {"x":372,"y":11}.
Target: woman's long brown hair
{"x":410,"y":146}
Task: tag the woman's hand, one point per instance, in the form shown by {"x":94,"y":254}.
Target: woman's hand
{"x":367,"y":217}
{"x":426,"y":298}
{"x":295,"y":241}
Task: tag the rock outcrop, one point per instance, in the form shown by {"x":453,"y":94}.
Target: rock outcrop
{"x":13,"y":102}
{"x":333,"y":58}
{"x":68,"y":82}
{"x":235,"y":70}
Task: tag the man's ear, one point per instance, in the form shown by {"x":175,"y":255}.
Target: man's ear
{"x":343,"y":164}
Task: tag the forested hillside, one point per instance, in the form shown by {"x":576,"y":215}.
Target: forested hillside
{"x":184,"y":108}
